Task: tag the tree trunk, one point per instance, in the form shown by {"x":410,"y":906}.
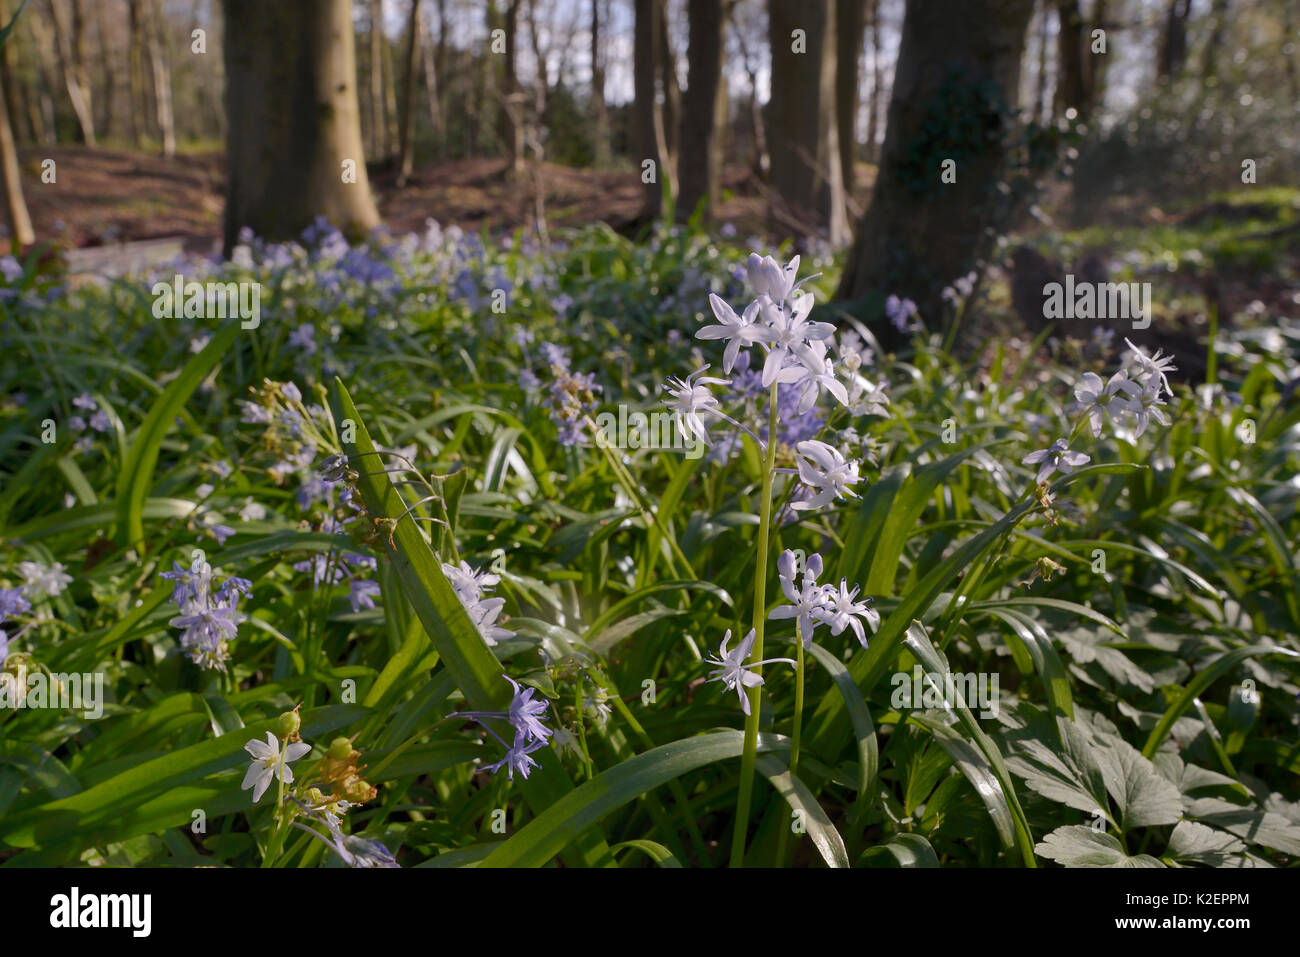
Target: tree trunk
{"x":9,"y":78}
{"x":1042,"y":111}
{"x":406,"y":148}
{"x":1218,"y":22}
{"x":20,"y":223}
{"x":390,"y":90}
{"x":512,"y":98}
{"x":108,"y":63}
{"x":600,"y":112}
{"x":647,"y":120}
{"x":1095,"y":64}
{"x":1069,"y":58}
{"x":135,"y":73}
{"x":700,"y":162}
{"x":1172,"y":52}
{"x":801,"y":112}
{"x":850,"y":20}
{"x":291,"y":104}
{"x":375,"y":65}
{"x":71,"y":47}
{"x":671,"y":94}
{"x":956,"y":58}
{"x":162,"y":81}
{"x":877,"y":84}
{"x":433,"y":77}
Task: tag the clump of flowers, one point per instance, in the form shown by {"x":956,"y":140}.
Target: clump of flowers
{"x":210,"y":615}
{"x":524,"y":716}
{"x":472,"y":586}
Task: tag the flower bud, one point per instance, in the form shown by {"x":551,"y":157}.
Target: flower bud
{"x":288,"y":725}
{"x":340,"y":749}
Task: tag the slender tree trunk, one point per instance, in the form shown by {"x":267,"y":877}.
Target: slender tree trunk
{"x":390,"y":91}
{"x":647,"y":120}
{"x":874,"y":105}
{"x":542,"y":87}
{"x":68,"y":41}
{"x":432,"y":82}
{"x":1043,"y":108}
{"x":406,"y":147}
{"x":956,"y":57}
{"x":135,"y":73}
{"x":1095,"y":64}
{"x":600,"y":113}
{"x":1172,"y":53}
{"x":850,"y":20}
{"x":1069,"y":58}
{"x":671,"y":94}
{"x":46,"y":52}
{"x":806,"y":172}
{"x":9,"y":78}
{"x":1218,"y":23}
{"x":107,"y":61}
{"x":294,"y":145}
{"x":20,"y":223}
{"x":378,"y":125}
{"x":699,"y":168}
{"x":162,"y":81}
{"x":512,"y":99}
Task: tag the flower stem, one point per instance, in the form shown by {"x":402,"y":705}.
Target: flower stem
{"x":747,"y":758}
{"x":794,"y":734}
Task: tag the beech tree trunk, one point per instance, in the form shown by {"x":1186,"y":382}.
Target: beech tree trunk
{"x":956,"y":58}
{"x":69,"y":38}
{"x":20,"y":223}
{"x":806,"y":176}
{"x":406,"y":144}
{"x":1069,"y":58}
{"x":850,"y":21}
{"x":647,"y":119}
{"x":600,"y":111}
{"x":295,"y":126}
{"x":512,"y":99}
{"x":162,"y":80}
{"x":699,"y":168}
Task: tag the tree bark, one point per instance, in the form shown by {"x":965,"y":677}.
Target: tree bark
{"x":671,"y":94}
{"x":433,"y":75}
{"x":1069,"y":59}
{"x":110,"y":72}
{"x":69,"y":38}
{"x":406,"y":147}
{"x":162,"y":81}
{"x":850,"y":20}
{"x":378,"y":124}
{"x":647,"y":120}
{"x":1210,"y":55}
{"x":1042,"y":111}
{"x":1172,"y":52}
{"x":20,"y":223}
{"x":291,"y":103}
{"x":877,"y":85}
{"x":512,"y":99}
{"x":600,"y":112}
{"x":806,"y":175}
{"x":957,"y":58}
{"x":699,"y":167}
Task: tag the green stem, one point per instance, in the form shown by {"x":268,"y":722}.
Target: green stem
{"x":748,"y":756}
{"x":795,"y":733}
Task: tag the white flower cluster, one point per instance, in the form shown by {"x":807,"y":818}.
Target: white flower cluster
{"x":471,"y":587}
{"x":798,"y":353}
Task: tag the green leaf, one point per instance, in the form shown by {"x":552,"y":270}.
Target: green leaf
{"x":1077,"y":846}
{"x":136,"y":477}
{"x":901,"y":850}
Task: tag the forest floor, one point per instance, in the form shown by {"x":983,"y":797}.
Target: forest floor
{"x":105,"y":196}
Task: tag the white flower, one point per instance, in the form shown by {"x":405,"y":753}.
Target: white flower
{"x":741,"y":331}
{"x":768,"y":277}
{"x":267,"y":764}
{"x":252,"y":511}
{"x":732,"y":670}
{"x":1148,"y":407}
{"x":805,"y":601}
{"x":840,"y":609}
{"x":1057,"y":456}
{"x":688,"y":398}
{"x":867,"y":398}
{"x":468,"y":583}
{"x":1101,"y":402}
{"x":565,"y":740}
{"x":824,"y":469}
{"x":594,"y":704}
{"x":791,"y":331}
{"x":1156,"y":365}
{"x":48,"y":581}
{"x":819,"y":374}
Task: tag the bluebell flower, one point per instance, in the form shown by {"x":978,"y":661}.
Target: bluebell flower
{"x":360,"y":592}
